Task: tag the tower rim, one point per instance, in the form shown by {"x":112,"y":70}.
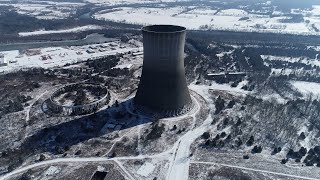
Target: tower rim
{"x":163,"y":29}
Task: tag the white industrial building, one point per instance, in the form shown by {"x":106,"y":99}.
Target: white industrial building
{"x":3,"y":61}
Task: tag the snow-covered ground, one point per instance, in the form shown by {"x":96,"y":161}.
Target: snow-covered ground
{"x":49,"y":172}
{"x":286,"y":71}
{"x":76,"y":29}
{"x":307,"y":88}
{"x":272,"y":97}
{"x":59,"y":56}
{"x":206,"y":18}
{"x":195,"y":16}
{"x":146,"y":169}
{"x":45,"y":9}
{"x":118,"y":2}
{"x":123,"y":66}
{"x":232,"y":90}
{"x":174,"y":15}
{"x":305,"y":60}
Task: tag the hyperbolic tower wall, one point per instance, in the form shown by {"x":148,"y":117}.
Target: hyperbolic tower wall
{"x":163,"y":85}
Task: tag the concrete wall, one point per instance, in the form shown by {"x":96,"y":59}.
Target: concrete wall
{"x":76,"y":110}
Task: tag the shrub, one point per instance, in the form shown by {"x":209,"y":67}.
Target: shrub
{"x":284,"y":161}
{"x":276,"y":150}
{"x":239,"y":142}
{"x":256,"y":149}
{"x":156,"y":132}
{"x":250,"y":141}
{"x":42,"y":157}
{"x":238,"y":123}
{"x":206,"y":135}
{"x":223,"y":134}
{"x":231,"y":104}
{"x":174,"y":127}
{"x":219,"y":105}
{"x":302,"y":136}
{"x":78,"y":153}
{"x":225,"y":121}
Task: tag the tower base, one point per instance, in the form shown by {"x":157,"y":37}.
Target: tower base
{"x":164,"y":113}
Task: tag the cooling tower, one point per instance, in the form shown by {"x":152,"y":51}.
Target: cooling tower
{"x":163,"y":85}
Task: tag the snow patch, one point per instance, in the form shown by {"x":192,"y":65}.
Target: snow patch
{"x":304,"y":60}
{"x":123,"y":66}
{"x":228,"y":88}
{"x":52,"y":170}
{"x":146,"y":169}
{"x":307,"y":87}
{"x":76,"y":29}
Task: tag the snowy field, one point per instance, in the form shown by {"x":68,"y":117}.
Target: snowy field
{"x":146,"y":169}
{"x":259,"y":17}
{"x":119,"y":2}
{"x":305,"y":60}
{"x":45,"y":9}
{"x":59,"y":56}
{"x":307,"y":88}
{"x":76,"y":29}
{"x":206,"y":18}
{"x":227,"y":88}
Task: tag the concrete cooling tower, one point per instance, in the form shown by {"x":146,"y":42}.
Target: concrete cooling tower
{"x":163,"y":87}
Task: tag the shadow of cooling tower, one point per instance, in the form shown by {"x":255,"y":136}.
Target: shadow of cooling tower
{"x":73,"y":132}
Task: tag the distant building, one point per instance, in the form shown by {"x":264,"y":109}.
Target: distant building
{"x":103,"y":46}
{"x":137,"y":53}
{"x":125,"y":38}
{"x":1,"y":58}
{"x":102,"y":50}
{"x":3,"y":61}
{"x":231,"y":76}
{"x":89,"y":51}
{"x":112,"y":44}
{"x":93,"y":47}
{"x":45,"y":57}
{"x":13,"y":61}
{"x":123,"y":66}
{"x":33,"y":52}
